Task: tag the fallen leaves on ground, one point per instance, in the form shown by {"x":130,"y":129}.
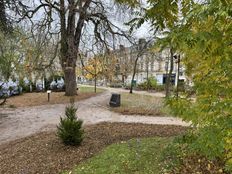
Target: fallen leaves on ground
{"x":200,"y":165}
{"x":37,"y":99}
{"x":44,"y":152}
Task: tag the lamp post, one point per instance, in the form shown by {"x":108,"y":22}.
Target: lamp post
{"x":166,"y":76}
{"x":49,"y":92}
{"x":177,"y":58}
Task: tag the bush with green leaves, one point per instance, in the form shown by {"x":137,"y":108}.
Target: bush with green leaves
{"x":150,"y":84}
{"x":205,"y":42}
{"x":70,"y":128}
{"x":160,"y":88}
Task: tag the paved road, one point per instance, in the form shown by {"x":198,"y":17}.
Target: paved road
{"x":21,"y":122}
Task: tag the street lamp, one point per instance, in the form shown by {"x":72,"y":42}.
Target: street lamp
{"x":177,"y":58}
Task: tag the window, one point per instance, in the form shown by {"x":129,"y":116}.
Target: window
{"x":155,"y":66}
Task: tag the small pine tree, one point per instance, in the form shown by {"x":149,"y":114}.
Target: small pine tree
{"x":70,"y":128}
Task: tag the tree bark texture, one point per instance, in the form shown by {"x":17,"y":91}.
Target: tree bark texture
{"x":70,"y":40}
{"x":134,"y":72}
{"x":70,"y":81}
{"x":168,"y":83}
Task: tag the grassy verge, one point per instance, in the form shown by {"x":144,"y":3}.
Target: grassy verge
{"x":87,"y":89}
{"x":138,"y":104}
{"x":134,"y":156}
{"x":148,"y":156}
{"x":179,"y":157}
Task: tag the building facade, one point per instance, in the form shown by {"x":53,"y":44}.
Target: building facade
{"x":149,"y":64}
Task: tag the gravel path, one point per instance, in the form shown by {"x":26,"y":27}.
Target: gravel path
{"x":21,"y":122}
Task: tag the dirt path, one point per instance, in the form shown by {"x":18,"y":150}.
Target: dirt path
{"x":21,"y":122}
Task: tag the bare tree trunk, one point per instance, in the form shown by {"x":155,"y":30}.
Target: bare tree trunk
{"x":95,"y":83}
{"x":168,"y":83}
{"x":123,"y":78}
{"x":70,"y":40}
{"x":70,"y":81}
{"x":148,"y":82}
{"x":142,"y":49}
{"x":178,"y":76}
{"x":134,"y":72}
{"x":95,"y":76}
{"x":68,"y":61}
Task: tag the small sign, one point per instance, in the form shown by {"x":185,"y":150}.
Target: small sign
{"x":115,"y":100}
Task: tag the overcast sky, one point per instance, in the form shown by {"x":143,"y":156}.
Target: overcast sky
{"x":116,"y":16}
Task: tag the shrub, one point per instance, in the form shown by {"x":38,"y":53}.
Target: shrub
{"x":127,"y":86}
{"x":116,"y":85}
{"x":151,"y":84}
{"x":212,"y":137}
{"x":70,"y":128}
{"x":160,"y":88}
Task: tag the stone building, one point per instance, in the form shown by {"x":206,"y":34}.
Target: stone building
{"x":150,"y":64}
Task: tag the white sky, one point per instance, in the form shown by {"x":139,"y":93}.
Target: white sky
{"x":117,"y":17}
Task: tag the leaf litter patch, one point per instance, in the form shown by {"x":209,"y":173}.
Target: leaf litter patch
{"x":44,"y":152}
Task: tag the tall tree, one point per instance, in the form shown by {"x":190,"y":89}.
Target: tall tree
{"x":142,"y":48}
{"x":94,"y":70}
{"x":163,"y":15}
{"x":73,"y":16}
{"x":170,"y":40}
{"x":40,"y":54}
{"x":206,"y":44}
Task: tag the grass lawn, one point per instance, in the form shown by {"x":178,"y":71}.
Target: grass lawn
{"x":37,"y":99}
{"x":136,"y":156}
{"x":139,"y":104}
{"x":87,"y":89}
